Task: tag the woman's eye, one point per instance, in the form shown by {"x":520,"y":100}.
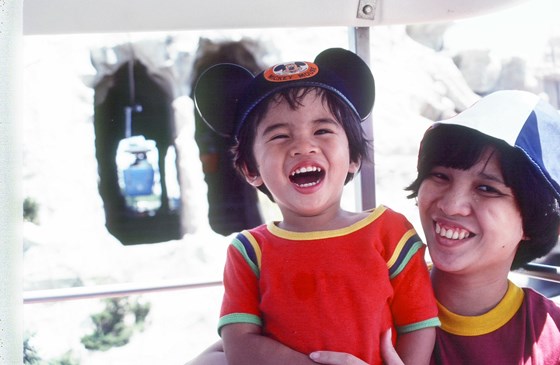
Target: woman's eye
{"x":438,"y":176}
{"x":489,"y":189}
{"x":323,"y":131}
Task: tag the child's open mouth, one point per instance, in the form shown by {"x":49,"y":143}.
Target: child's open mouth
{"x":307,"y":176}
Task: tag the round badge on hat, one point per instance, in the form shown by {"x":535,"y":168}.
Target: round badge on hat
{"x":226,"y":94}
{"x":290,"y":71}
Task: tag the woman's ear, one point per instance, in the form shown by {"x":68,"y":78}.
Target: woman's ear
{"x":354,"y":167}
{"x":252,"y":178}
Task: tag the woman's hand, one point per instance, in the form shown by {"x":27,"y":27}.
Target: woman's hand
{"x":388,"y":353}
{"x":335,"y":358}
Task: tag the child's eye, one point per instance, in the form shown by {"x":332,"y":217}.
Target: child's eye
{"x":278,"y":136}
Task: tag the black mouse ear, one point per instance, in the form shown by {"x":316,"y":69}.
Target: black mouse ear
{"x":216,"y":94}
{"x":351,"y":75}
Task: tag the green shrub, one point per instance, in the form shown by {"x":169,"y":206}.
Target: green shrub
{"x":31,"y":210}
{"x":30,"y":355}
{"x":111,"y":327}
{"x":66,"y":359}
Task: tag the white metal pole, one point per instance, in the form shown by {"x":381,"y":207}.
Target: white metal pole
{"x":11,"y":203}
{"x":365,"y":181}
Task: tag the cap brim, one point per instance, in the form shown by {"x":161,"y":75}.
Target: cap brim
{"x":524,"y":121}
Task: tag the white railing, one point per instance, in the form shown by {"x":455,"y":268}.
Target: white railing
{"x":532,"y":270}
{"x":107,"y":291}
{"x":541,"y":271}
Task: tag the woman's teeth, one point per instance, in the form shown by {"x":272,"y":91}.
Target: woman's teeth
{"x":452,"y":233}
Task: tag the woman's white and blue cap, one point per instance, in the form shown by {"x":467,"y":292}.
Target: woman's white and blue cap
{"x":524,"y":121}
{"x":226,"y":94}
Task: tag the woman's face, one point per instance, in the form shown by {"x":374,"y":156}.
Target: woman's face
{"x":470,"y":218}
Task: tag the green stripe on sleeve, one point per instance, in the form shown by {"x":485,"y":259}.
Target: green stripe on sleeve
{"x":239,"y":246}
{"x":432,"y":322}
{"x":417,"y":246}
{"x":238,"y":318}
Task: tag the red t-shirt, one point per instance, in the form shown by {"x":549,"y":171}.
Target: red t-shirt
{"x":335,"y":290}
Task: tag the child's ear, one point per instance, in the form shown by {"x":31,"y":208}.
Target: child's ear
{"x":252,"y":178}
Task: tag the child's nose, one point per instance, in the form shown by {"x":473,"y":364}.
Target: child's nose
{"x":303,"y":146}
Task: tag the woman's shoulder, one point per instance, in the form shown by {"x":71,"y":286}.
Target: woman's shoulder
{"x":537,"y":302}
{"x":535,"y":296}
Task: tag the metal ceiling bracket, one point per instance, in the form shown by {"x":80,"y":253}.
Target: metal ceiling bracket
{"x":366,"y":9}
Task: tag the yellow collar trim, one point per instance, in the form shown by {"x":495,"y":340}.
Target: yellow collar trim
{"x":314,"y":235}
{"x":487,"y":322}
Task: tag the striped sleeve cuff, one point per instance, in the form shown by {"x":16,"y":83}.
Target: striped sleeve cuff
{"x":432,"y":322}
{"x":238,"y":318}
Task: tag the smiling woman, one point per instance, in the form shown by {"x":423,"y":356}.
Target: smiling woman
{"x":499,"y":182}
{"x":448,"y":192}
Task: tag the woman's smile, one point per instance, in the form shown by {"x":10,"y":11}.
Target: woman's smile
{"x":451,"y":232}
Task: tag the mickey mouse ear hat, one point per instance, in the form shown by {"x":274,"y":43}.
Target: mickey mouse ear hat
{"x":225,"y":94}
{"x":524,"y":121}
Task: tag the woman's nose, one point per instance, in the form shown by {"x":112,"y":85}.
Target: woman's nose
{"x":456,"y":201}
